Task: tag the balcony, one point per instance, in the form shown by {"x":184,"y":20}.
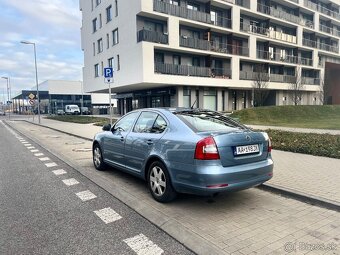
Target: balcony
{"x":284,"y":58}
{"x":196,"y":71}
{"x":310,"y":81}
{"x":152,"y":36}
{"x":329,"y":30}
{"x":268,"y":33}
{"x":213,"y":46}
{"x":242,"y":3}
{"x":221,"y":22}
{"x":319,"y":8}
{"x":267,"y":77}
{"x":321,"y":46}
{"x":277,"y":13}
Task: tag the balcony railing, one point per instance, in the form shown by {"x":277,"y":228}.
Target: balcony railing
{"x":284,"y":58}
{"x":329,"y":30}
{"x":277,"y":13}
{"x":213,"y":46}
{"x":243,"y":3}
{"x":310,"y":81}
{"x":321,"y":46}
{"x":267,"y":77}
{"x":307,"y":23}
{"x":196,"y":71}
{"x":221,"y":22}
{"x":319,"y":8}
{"x":152,"y":36}
{"x":268,"y":33}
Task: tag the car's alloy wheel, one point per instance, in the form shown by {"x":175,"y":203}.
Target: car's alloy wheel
{"x":98,"y":158}
{"x":159,"y":183}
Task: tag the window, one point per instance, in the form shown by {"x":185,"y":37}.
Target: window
{"x":196,"y":61}
{"x":150,"y":122}
{"x":98,"y":2}
{"x":192,"y":6}
{"x":109,"y":13}
{"x":118,"y":63}
{"x":94,"y":25}
{"x":102,"y":68}
{"x":186,"y":97}
{"x":96,"y":70}
{"x":159,"y":57}
{"x":94,"y":49}
{"x":110,"y":62}
{"x":125,"y":123}
{"x":116,"y":8}
{"x":209,"y":99}
{"x":174,"y":2}
{"x":100,"y":21}
{"x":107,"y":41}
{"x":100,"y":45}
{"x":176,"y":60}
{"x":115,"y":36}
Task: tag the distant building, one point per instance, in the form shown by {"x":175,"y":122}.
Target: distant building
{"x":208,"y":53}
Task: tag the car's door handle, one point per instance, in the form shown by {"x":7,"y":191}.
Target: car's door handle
{"x":122,"y":138}
{"x":149,"y":142}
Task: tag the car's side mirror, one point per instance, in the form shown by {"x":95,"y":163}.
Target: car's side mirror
{"x":107,"y":127}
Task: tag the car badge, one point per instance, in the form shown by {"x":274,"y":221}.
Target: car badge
{"x":248,"y":138}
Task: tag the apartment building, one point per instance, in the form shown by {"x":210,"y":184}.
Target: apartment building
{"x":208,"y":53}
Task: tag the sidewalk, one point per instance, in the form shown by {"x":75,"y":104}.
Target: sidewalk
{"x":307,"y":175}
{"x":301,"y":130}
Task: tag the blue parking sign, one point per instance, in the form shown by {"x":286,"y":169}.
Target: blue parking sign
{"x":108,"y":72}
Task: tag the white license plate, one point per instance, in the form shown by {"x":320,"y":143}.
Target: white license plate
{"x":247,"y":149}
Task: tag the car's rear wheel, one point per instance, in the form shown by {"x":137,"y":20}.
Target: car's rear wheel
{"x":159,"y":183}
{"x":98,"y":158}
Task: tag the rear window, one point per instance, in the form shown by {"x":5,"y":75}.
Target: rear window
{"x":202,"y":121}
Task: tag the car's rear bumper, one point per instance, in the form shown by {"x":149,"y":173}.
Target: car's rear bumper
{"x":211,"y":179}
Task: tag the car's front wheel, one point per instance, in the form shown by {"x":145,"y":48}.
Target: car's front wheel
{"x":98,"y":158}
{"x":159,"y":183}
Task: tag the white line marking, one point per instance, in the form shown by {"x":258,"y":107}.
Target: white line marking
{"x":143,"y":245}
{"x":34,"y":150}
{"x":27,"y":144}
{"x":52,"y":164}
{"x":24,"y":142}
{"x":70,"y":182}
{"x":59,"y":172}
{"x":39,"y":154}
{"x":108,"y":215}
{"x":31,"y":147}
{"x":86,"y":195}
{"x":44,"y":159}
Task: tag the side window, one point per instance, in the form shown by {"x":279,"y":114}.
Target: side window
{"x":126,"y":122}
{"x":145,"y":122}
{"x":159,"y":125}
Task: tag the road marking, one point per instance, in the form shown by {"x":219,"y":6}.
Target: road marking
{"x":34,"y":150}
{"x":31,"y":147}
{"x":44,"y":159}
{"x":39,"y":154}
{"x":59,"y":172}
{"x":86,"y":195}
{"x":70,"y":182}
{"x":108,"y":215}
{"x":24,"y":142}
{"x":52,"y":164}
{"x":27,"y":144}
{"x":143,"y":245}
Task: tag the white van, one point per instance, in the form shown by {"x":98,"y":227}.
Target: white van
{"x":72,"y":109}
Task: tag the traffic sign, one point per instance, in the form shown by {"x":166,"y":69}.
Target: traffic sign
{"x":9,"y":102}
{"x":108,"y":72}
{"x":31,"y":96}
{"x":108,"y":80}
{"x":31,"y":101}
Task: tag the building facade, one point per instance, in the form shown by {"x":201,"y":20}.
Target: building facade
{"x":209,"y":53}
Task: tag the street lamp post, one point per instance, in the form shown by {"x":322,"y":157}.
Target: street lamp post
{"x":8,"y":95}
{"x":36,"y":75}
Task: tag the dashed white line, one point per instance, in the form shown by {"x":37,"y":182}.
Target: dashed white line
{"x":31,"y":147}
{"x":108,"y":215}
{"x":27,"y":144}
{"x":143,"y":245}
{"x":44,"y":159}
{"x":52,"y":164}
{"x":86,"y":195}
{"x":39,"y":154}
{"x":34,"y":150}
{"x":24,"y":142}
{"x":59,"y":172}
{"x":70,"y":182}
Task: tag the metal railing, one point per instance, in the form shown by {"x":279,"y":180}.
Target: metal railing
{"x":284,"y":58}
{"x":321,"y":46}
{"x":243,"y":3}
{"x":268,"y":33}
{"x":221,"y":22}
{"x":324,"y":10}
{"x":307,"y":23}
{"x":185,"y":70}
{"x":329,"y":30}
{"x":277,"y":13}
{"x":213,"y":46}
{"x":244,"y":75}
{"x":152,"y":36}
{"x":310,"y":81}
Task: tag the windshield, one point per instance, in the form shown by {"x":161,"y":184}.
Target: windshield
{"x":202,"y":121}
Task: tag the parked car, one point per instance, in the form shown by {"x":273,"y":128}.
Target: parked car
{"x":72,"y":109}
{"x":85,"y":110}
{"x":185,"y":150}
{"x":60,"y":112}
{"x":2,"y":113}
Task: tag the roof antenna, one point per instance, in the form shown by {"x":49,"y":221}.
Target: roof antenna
{"x":192,"y":107}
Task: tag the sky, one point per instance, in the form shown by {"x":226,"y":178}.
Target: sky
{"x":54,"y":26}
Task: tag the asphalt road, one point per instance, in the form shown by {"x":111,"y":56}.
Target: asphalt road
{"x":42,"y":209}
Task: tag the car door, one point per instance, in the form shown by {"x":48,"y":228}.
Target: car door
{"x":140,"y":142}
{"x":114,"y":141}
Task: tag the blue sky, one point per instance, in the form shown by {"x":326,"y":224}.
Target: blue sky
{"x":54,"y":25}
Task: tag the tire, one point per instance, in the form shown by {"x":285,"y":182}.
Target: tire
{"x":159,"y":183}
{"x":97,"y":157}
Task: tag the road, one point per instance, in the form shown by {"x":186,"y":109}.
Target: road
{"x":46,"y":207}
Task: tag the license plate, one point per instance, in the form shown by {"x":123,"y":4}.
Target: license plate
{"x":247,"y":149}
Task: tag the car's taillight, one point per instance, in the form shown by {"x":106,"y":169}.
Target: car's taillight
{"x":206,"y":149}
{"x":269,"y":145}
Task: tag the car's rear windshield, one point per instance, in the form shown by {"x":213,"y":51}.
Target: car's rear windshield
{"x":203,"y":121}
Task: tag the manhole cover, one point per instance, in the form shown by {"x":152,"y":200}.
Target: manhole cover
{"x":82,"y":150}
{"x":74,"y":143}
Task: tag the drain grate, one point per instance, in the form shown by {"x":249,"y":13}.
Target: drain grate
{"x":82,"y":150}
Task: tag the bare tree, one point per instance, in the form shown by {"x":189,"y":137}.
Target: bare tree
{"x":324,"y":90}
{"x":260,"y":85}
{"x":296,"y":86}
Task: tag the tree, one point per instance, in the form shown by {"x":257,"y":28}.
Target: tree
{"x":296,"y":86}
{"x":260,"y":85}
{"x":324,"y":90}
